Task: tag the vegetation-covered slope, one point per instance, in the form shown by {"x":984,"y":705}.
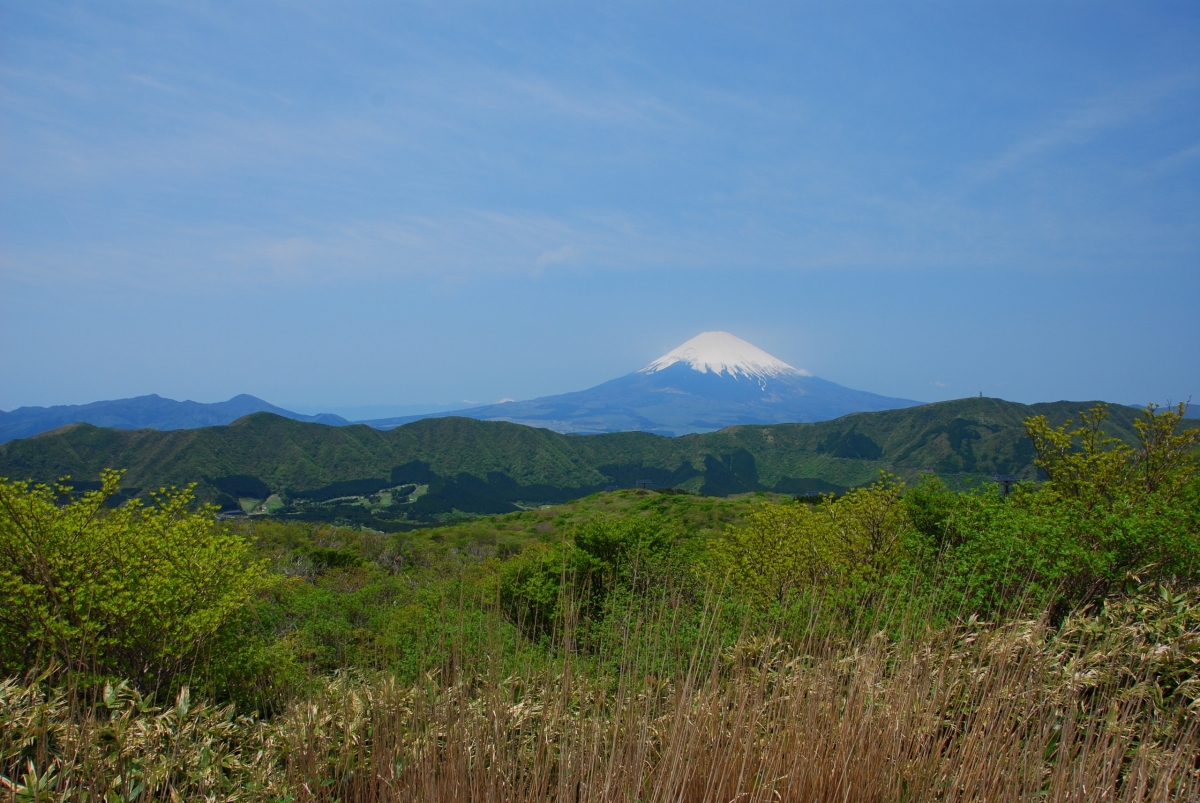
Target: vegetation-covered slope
{"x":889,"y":644}
{"x":429,"y":469}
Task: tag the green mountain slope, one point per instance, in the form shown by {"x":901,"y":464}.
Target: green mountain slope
{"x":434,"y":468}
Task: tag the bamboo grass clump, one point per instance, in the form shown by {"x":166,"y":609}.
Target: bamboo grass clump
{"x":53,"y":746}
{"x":978,"y":712}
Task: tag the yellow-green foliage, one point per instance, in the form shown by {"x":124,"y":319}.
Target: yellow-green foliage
{"x":1108,"y":511}
{"x":867,"y":525}
{"x":783,"y":548}
{"x":1084,"y":463}
{"x":134,"y":592}
{"x":778,"y":550}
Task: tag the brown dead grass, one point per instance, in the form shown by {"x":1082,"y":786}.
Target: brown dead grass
{"x":973,"y":713}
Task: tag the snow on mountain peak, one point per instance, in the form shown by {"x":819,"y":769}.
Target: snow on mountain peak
{"x":721,"y":352}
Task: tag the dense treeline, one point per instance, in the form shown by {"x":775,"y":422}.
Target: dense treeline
{"x":621,"y":631}
{"x":265,"y":464}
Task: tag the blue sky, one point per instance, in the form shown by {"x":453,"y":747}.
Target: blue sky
{"x":336,"y":205}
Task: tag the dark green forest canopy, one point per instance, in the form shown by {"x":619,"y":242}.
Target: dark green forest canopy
{"x":436,"y":467}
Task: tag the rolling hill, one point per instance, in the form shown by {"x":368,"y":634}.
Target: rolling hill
{"x":428,"y":470}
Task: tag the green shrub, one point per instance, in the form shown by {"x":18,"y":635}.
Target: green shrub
{"x":137,"y":592}
{"x":538,"y":586}
{"x":532,"y":585}
{"x":631,"y":550}
{"x":1108,"y":511}
{"x":853,"y":541}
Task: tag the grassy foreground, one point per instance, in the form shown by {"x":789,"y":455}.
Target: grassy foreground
{"x":896,"y":643}
{"x":980,"y":712}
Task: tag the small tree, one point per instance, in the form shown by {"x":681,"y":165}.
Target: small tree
{"x":868,"y":525}
{"x":784,"y":548}
{"x":1101,"y":472}
{"x":779,"y":550}
{"x":135,"y":592}
{"x":1123,"y":509}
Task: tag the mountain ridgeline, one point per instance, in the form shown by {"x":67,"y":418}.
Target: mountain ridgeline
{"x":144,"y":412}
{"x":712,"y":381}
{"x":430,"y":470}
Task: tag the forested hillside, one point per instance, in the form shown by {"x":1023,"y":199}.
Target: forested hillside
{"x":430,"y":469}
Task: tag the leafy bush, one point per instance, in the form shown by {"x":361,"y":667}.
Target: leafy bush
{"x":532,"y":585}
{"x":779,"y":550}
{"x":855,"y":539}
{"x":137,"y":592}
{"x":543,"y":582}
{"x":1108,"y":511}
{"x":623,"y":546}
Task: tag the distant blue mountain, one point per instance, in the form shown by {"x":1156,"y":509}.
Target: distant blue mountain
{"x":714,"y":380}
{"x":144,"y":412}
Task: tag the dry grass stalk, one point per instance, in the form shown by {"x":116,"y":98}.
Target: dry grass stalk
{"x":971,"y":714}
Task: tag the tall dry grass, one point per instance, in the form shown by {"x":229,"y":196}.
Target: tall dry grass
{"x":972,"y":713}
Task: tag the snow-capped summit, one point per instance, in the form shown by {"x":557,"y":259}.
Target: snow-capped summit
{"x":712,"y":381}
{"x":721,"y":352}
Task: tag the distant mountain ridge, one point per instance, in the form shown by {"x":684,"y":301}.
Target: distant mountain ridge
{"x":712,"y":381}
{"x":144,"y":412}
{"x":425,"y":471}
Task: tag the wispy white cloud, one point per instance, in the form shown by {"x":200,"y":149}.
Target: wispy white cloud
{"x":617,"y":106}
{"x":1174,"y":162}
{"x":153,"y":83}
{"x":1081,"y":123}
{"x":452,"y":248}
{"x":557,"y":255}
{"x":419,"y":186}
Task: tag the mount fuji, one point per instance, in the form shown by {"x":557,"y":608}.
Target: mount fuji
{"x":712,"y":381}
